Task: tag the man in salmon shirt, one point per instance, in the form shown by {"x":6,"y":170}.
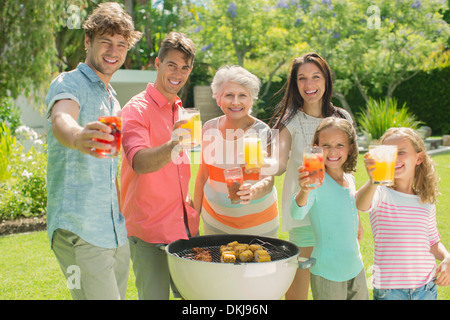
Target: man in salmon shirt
{"x":156,"y":170}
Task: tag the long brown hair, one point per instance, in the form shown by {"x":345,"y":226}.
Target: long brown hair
{"x":292,"y":100}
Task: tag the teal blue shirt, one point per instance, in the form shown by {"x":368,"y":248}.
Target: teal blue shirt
{"x":82,"y":195}
{"x":335,"y":221}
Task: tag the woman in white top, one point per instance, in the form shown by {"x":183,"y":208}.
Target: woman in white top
{"x":306,"y":102}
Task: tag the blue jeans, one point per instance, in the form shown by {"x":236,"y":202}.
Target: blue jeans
{"x":426,"y":292}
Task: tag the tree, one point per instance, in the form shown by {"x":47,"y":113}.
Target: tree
{"x":42,"y":38}
{"x":69,"y":36}
{"x":27,"y":44}
{"x":252,"y":34}
{"x":374,"y":46}
{"x":155,"y":19}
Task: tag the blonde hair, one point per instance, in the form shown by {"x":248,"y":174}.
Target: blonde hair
{"x":426,"y":180}
{"x":345,"y":126}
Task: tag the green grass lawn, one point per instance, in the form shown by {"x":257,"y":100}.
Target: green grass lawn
{"x":28,"y":268}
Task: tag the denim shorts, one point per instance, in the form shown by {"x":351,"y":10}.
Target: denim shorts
{"x":426,"y":292}
{"x":303,"y":236}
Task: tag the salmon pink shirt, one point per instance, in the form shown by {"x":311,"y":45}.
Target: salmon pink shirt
{"x":153,"y":203}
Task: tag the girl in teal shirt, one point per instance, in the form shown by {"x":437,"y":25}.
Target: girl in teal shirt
{"x":339,"y":272}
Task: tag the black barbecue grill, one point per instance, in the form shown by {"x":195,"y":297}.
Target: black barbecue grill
{"x":275,"y":252}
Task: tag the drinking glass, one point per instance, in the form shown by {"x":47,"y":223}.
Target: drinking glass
{"x":115,"y":123}
{"x":194,"y":124}
{"x":253,"y":152}
{"x":385,"y":157}
{"x":314,"y":165}
{"x":234,"y":179}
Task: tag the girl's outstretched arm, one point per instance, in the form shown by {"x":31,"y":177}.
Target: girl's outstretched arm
{"x":365,"y":194}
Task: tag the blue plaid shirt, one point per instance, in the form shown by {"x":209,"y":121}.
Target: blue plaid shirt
{"x":82,"y":195}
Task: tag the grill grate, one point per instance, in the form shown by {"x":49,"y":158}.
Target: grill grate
{"x":275,"y":252}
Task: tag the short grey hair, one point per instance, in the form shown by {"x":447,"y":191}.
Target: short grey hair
{"x":238,"y":75}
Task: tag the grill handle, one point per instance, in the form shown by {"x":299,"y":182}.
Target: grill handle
{"x":161,"y":246}
{"x":303,"y":263}
{"x":306,"y":263}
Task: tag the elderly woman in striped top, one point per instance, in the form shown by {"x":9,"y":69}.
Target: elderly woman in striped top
{"x":403,"y":220}
{"x":235,"y":90}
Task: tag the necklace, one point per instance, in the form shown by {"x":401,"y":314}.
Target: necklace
{"x":302,"y":125}
{"x":301,"y":119}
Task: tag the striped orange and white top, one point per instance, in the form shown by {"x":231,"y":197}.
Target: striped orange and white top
{"x":260,"y":216}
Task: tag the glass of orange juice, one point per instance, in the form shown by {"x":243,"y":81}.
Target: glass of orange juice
{"x":314,"y":165}
{"x":192,"y":115}
{"x":253,"y":152}
{"x":115,"y":123}
{"x":385,"y":157}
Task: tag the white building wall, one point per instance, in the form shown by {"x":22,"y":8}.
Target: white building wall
{"x":126,"y":83}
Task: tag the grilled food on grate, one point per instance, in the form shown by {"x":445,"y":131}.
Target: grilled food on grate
{"x":232,"y":252}
{"x":201,"y":254}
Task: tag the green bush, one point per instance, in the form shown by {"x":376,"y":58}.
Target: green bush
{"x":7,"y":145}
{"x":428,"y":97}
{"x":380,"y":116}
{"x":10,"y":114}
{"x":23,"y":191}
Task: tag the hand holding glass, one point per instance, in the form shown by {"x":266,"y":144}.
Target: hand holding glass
{"x":253,"y":152}
{"x":115,"y":123}
{"x":314,"y":165}
{"x":385,"y":157}
{"x":234,"y":179}
{"x":194,"y":124}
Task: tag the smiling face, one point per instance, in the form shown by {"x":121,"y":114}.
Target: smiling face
{"x":173,"y":73}
{"x":106,"y":54}
{"x":407,"y":157}
{"x":235,"y":101}
{"x":311,"y":84}
{"x":336,"y":147}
